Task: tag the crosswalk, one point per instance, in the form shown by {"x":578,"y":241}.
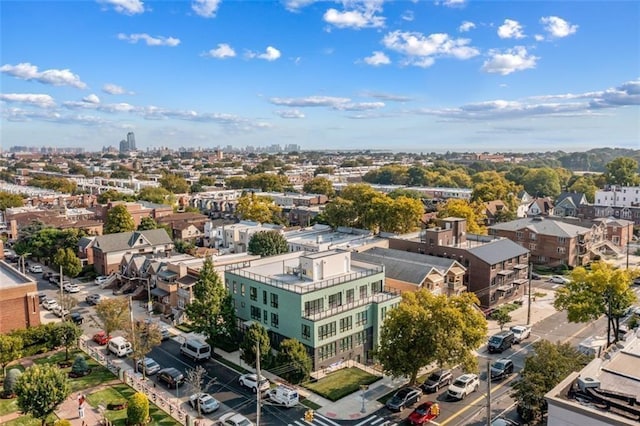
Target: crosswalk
{"x":320,"y":420}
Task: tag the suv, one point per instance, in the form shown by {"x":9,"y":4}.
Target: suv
{"x":501,"y":368}
{"x":93,"y":299}
{"x":437,"y":380}
{"x":559,"y":279}
{"x":520,"y":333}
{"x":172,"y":377}
{"x":49,"y":304}
{"x":76,"y":317}
{"x":404,"y":397}
{"x":463,"y":386}
{"x":502,"y":341}
{"x":250,"y":381}
{"x":35,"y":269}
{"x":204,"y":402}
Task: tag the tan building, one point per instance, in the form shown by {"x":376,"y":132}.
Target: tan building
{"x":138,"y":210}
{"x":109,"y":250}
{"x":19,"y":303}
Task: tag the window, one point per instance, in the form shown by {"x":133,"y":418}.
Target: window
{"x":327,"y":351}
{"x":274,"y":320}
{"x":383,"y":313}
{"x":346,"y":323}
{"x":361,"y":318}
{"x":226,"y":283}
{"x":264,"y":297}
{"x":532,"y":246}
{"x":313,"y":307}
{"x":519,"y":235}
{"x":562,"y":250}
{"x":376,"y":287}
{"x":363,"y":292}
{"x":265,"y":316}
{"x":335,"y":300}
{"x":256,"y":313}
{"x":253,"y":293}
{"x":350,"y":296}
{"x":235,"y":288}
{"x":532,"y":236}
{"x":274,"y":300}
{"x":361,"y":338}
{"x":306,"y":332}
{"x":242,"y":289}
{"x":346,"y":344}
{"x":327,"y":330}
{"x":562,"y":240}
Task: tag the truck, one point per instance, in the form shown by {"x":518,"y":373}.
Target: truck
{"x":283,"y":395}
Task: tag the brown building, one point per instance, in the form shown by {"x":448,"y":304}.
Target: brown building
{"x":108,"y":250}
{"x":185,"y":226}
{"x":19,"y":303}
{"x":138,"y":210}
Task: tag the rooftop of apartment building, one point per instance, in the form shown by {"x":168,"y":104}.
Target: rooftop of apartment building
{"x":321,"y":234}
{"x":11,"y":277}
{"x":543,"y":225}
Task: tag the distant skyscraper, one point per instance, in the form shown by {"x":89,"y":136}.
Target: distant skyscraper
{"x":131,"y":141}
{"x":124,"y":146}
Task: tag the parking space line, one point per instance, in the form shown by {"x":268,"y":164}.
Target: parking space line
{"x":470,"y":405}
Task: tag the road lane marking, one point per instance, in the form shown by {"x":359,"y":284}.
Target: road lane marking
{"x":326,"y":419}
{"x":470,"y":405}
{"x":367,"y":420}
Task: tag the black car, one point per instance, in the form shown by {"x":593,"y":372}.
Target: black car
{"x":501,"y":369}
{"x":171,"y":377}
{"x":404,"y":397}
{"x":76,"y":317}
{"x":437,"y":380}
{"x":535,"y":276}
{"x":42,"y":297}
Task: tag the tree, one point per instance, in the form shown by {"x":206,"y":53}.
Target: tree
{"x":113,"y":313}
{"x":319,"y":185}
{"x":174,"y":183}
{"x":147,"y":223}
{"x":256,"y":334}
{"x":542,"y":182}
{"x":586,"y":185}
{"x":10,"y":381}
{"x":259,"y":209}
{"x":10,"y":349}
{"x":138,"y":409}
{"x":156,"y":195}
{"x":41,"y":389}
{"x":113,"y":195}
{"x":502,"y":317}
{"x":294,"y":361}
{"x":268,"y":243}
{"x":80,"y":366}
{"x":473,"y":213}
{"x":622,"y":171}
{"x":8,"y":200}
{"x":604,"y":290}
{"x":426,"y":328}
{"x":119,"y":220}
{"x":196,"y":379}
{"x":67,"y":259}
{"x":550,"y":364}
{"x":205,"y":309}
{"x":144,"y":336}
{"x":403,"y":215}
{"x":67,"y":334}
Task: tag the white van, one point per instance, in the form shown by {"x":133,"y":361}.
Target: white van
{"x":195,"y":349}
{"x":119,"y":346}
{"x":284,"y":395}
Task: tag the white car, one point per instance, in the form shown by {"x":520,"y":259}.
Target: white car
{"x":149,"y":365}
{"x":208,"y":404}
{"x":60,"y":312}
{"x":520,"y":333}
{"x":250,"y":381}
{"x":35,"y":269}
{"x":234,"y":419}
{"x":101,"y":279}
{"x":559,"y":279}
{"x":463,"y":386}
{"x":71,"y":288}
{"x":49,"y":304}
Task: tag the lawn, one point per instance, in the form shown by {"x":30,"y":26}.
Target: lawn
{"x":99,"y":374}
{"x":29,"y":421}
{"x":8,"y":406}
{"x":341,"y":383}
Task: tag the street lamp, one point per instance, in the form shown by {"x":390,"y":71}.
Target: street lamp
{"x":22,"y":256}
{"x":363,"y":388}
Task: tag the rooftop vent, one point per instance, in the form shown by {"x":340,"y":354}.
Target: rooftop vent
{"x":588,"y":382}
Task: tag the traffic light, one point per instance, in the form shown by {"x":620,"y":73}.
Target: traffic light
{"x":308,"y":415}
{"x":435,"y":410}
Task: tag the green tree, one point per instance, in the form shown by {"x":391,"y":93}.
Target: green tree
{"x":10,"y":349}
{"x":144,"y":336}
{"x":586,"y":185}
{"x":268,"y":243}
{"x":156,"y":195}
{"x":319,"y":185}
{"x":548,"y":366}
{"x":67,"y":334}
{"x":339,"y":212}
{"x":138,"y":409}
{"x":10,"y":381}
{"x":542,"y":182}
{"x":403,"y":215}
{"x":174,"y":183}
{"x":41,"y":389}
{"x":205,"y":310}
{"x":147,"y":223}
{"x":604,"y":290}
{"x":8,"y":200}
{"x":473,"y":213}
{"x":256,"y":334}
{"x":113,"y":195}
{"x":257,"y":208}
{"x":426,"y":328}
{"x":294,"y":361}
{"x":502,"y":317}
{"x":80,"y":366}
{"x":67,"y":259}
{"x":119,"y":220}
{"x":622,"y":171}
{"x":113,"y":313}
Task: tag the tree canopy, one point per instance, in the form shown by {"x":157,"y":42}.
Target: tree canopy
{"x":41,"y":389}
{"x":67,"y":259}
{"x":256,"y":334}
{"x":294,"y":363}
{"x":119,"y":220}
{"x":426,"y":328}
{"x":10,"y":349}
{"x":144,"y":336}
{"x":158,"y":195}
{"x":257,"y":208}
{"x":268,"y":243}
{"x":8,"y":200}
{"x":173,"y":183}
{"x":113,"y":313}
{"x":542,"y":182}
{"x":319,"y":185}
{"x":473,"y":212}
{"x":622,"y":171}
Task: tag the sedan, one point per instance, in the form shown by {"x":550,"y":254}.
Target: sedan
{"x":101,"y":338}
{"x":149,"y":366}
{"x":559,"y":279}
{"x":463,"y":386}
{"x":424,"y":414}
{"x":404,"y":397}
{"x":93,"y":299}
{"x":71,"y":288}
{"x":35,"y":269}
{"x":49,"y":304}
{"x":234,"y":419}
{"x":206,"y":403}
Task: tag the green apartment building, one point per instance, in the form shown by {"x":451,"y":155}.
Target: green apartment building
{"x":332,"y":304}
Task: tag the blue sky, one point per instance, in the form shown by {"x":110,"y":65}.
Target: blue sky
{"x":401,"y":75}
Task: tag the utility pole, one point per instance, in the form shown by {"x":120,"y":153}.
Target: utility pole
{"x":61,"y":290}
{"x":258,"y":391}
{"x":529,"y":295}
{"x":628,"y":241}
{"x":488,"y":392}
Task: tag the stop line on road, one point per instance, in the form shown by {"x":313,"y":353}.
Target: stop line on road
{"x":319,"y":420}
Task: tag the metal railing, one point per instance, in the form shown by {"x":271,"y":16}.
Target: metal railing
{"x":376,"y":298}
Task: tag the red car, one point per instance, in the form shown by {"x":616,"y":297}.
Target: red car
{"x":424,"y":413}
{"x":101,"y":338}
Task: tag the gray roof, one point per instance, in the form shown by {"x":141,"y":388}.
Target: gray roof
{"x":497,"y":251}
{"x":575,"y":198}
{"x":85,"y":241}
{"x":125,"y":240}
{"x":403,"y":265}
{"x":543,"y":226}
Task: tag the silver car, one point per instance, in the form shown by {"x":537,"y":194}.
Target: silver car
{"x":149,"y":366}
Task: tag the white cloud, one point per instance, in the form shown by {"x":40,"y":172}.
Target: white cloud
{"x":378,"y":58}
{"x":352,"y":19}
{"x":221,"y":52}
{"x":510,"y":29}
{"x":311,"y":101}
{"x":290,"y":113}
{"x":270,"y":54}
{"x":451,"y":3}
{"x":466,"y":26}
{"x":407,"y":15}
{"x":508,"y":61}
{"x":538,"y":37}
{"x":387,"y":96}
{"x":358,"y":106}
{"x":295,"y":5}
{"x":151,"y":41}
{"x":114,"y":89}
{"x":558,"y":27}
{"x":92,"y":99}
{"x":26,"y":71}
{"x":33,"y":99}
{"x":205,"y":8}
{"x":421,"y":50}
{"x":128,"y":7}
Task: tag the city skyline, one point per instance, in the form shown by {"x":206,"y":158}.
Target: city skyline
{"x":448,"y":75}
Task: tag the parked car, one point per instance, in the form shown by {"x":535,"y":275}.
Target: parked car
{"x":404,"y":397}
{"x":94,"y":299}
{"x":424,"y":413}
{"x":101,"y":338}
{"x":250,"y":381}
{"x":35,"y":269}
{"x":46,"y":275}
{"x":535,"y":276}
{"x":437,"y":380}
{"x":559,"y":279}
{"x":60,"y":311}
{"x":76,"y":317}
{"x":149,"y":366}
{"x":636,"y":281}
{"x":164,"y":332}
{"x":171,"y":377}
{"x":54,"y":278}
{"x":234,"y":419}
{"x":71,"y":288}
{"x":463,"y":386}
{"x":520,"y":333}
{"x":207,"y":403}
{"x":49,"y":304}
{"x":42,"y":297}
{"x":503,"y":421}
{"x":501,"y":369}
{"x":101,"y":279}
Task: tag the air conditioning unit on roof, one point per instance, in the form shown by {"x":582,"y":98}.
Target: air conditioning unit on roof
{"x":588,"y":382}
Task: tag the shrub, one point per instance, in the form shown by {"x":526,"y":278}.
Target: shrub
{"x":80,"y":367}
{"x":62,"y":422}
{"x":10,"y":381}
{"x":138,"y":409}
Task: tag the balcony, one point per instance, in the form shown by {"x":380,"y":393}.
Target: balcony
{"x":376,"y":298}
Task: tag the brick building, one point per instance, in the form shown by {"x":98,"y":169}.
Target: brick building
{"x":19,"y":303}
